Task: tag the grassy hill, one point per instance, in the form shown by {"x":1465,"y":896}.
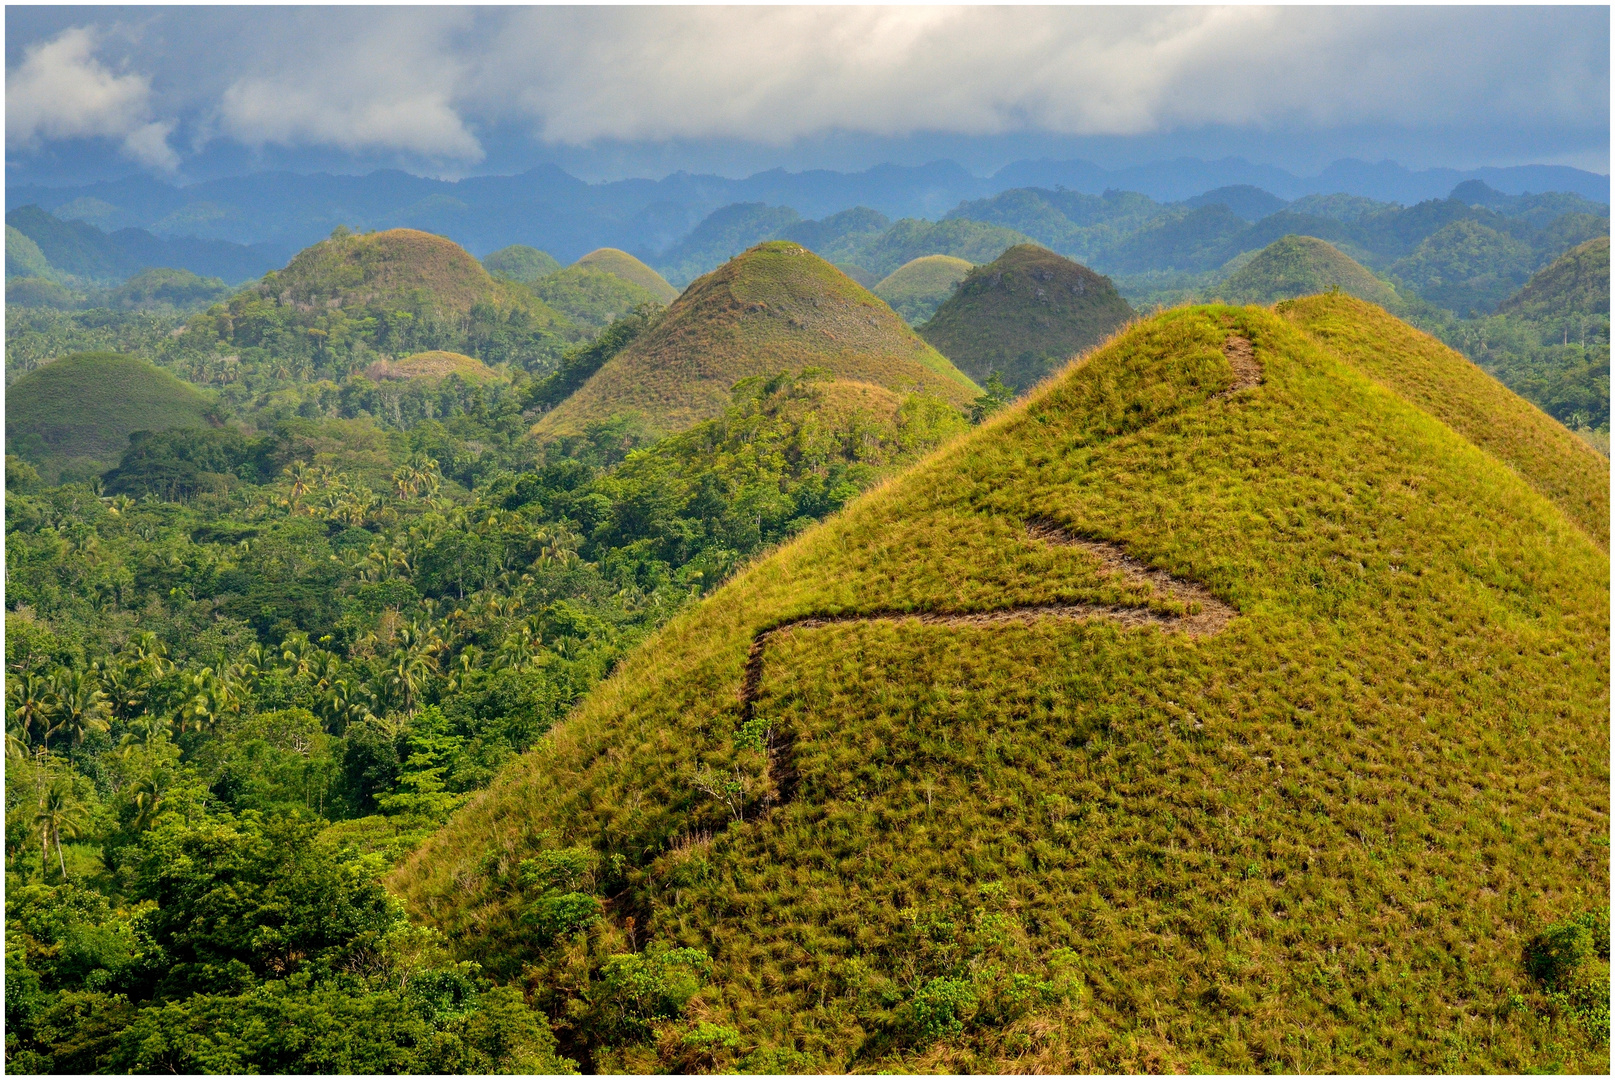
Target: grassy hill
{"x":1300,"y":266}
{"x":394,"y":266}
{"x":435,"y":364}
{"x":593,"y":298}
{"x":625,"y":266}
{"x":73,"y":416}
{"x":774,"y":308}
{"x":1024,"y":315}
{"x":1217,"y":708}
{"x":1574,"y":284}
{"x":518,"y":262}
{"x":915,"y":289}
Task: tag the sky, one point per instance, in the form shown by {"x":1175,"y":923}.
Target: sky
{"x":608,"y":92}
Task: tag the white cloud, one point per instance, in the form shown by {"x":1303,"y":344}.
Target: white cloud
{"x":383,"y":82}
{"x":778,"y":73}
{"x":426,"y":81}
{"x":61,"y":91}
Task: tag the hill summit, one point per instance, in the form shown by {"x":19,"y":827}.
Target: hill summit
{"x":630,"y":269}
{"x":773,"y":308}
{"x":1024,"y":315}
{"x":73,"y":417}
{"x":1223,"y":706}
{"x":1294,"y":266}
{"x":394,"y":265}
{"x":917,"y":288}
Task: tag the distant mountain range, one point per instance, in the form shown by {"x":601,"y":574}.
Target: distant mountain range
{"x":550,"y":209}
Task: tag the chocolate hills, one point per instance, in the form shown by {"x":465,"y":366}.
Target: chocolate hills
{"x":1574,"y":284}
{"x":394,"y":266}
{"x":73,"y":416}
{"x":1301,"y":266}
{"x":1024,"y":315}
{"x":625,"y":266}
{"x":1239,"y":700}
{"x":917,"y":288}
{"x":773,"y":308}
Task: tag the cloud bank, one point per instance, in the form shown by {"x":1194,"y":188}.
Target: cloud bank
{"x":432,"y":83}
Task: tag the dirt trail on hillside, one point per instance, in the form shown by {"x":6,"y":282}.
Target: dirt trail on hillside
{"x":1205,"y":615}
{"x":1241,"y":356}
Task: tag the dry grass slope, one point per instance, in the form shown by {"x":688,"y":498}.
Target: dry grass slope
{"x":630,"y":269}
{"x":1318,"y":839}
{"x":776,"y":307}
{"x":1430,"y":376}
{"x":393,"y":265}
{"x":435,"y":364}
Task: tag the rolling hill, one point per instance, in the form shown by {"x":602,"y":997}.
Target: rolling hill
{"x":1574,"y":284}
{"x":1024,"y":315}
{"x":1220,"y":707}
{"x":1300,"y":266}
{"x":394,"y":266}
{"x":73,"y":416}
{"x":917,"y":288}
{"x":625,"y":266}
{"x":518,"y":262}
{"x":774,"y":308}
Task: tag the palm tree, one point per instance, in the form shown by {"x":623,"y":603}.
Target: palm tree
{"x":143,"y":731}
{"x":80,"y":706}
{"x":147,"y":795}
{"x":30,"y":702}
{"x":59,"y":812}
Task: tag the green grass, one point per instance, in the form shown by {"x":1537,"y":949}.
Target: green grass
{"x":630,"y":269}
{"x":1319,"y":840}
{"x":593,"y":297}
{"x":1430,"y":376}
{"x":774,"y":308}
{"x":1301,"y":266}
{"x":1024,"y":315}
{"x":915,"y":289}
{"x":518,"y":262}
{"x":906,"y":240}
{"x":74,"y":415}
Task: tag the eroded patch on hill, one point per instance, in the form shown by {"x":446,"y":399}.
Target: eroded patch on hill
{"x":1242,"y":358}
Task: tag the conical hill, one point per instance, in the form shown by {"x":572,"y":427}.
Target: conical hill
{"x":625,"y":266}
{"x":917,"y":288}
{"x":396,"y":265}
{"x":1024,"y":315}
{"x":773,"y":308}
{"x":1217,"y":708}
{"x":1574,"y":284}
{"x":1300,"y":266}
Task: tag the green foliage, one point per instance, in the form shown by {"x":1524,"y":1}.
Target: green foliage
{"x":906,"y":240}
{"x":1301,"y":266}
{"x":518,"y":262}
{"x":639,"y":989}
{"x":722,"y":235}
{"x":162,"y":288}
{"x":593,"y":298}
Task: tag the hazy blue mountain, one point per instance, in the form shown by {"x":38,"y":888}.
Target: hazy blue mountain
{"x":88,"y":252}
